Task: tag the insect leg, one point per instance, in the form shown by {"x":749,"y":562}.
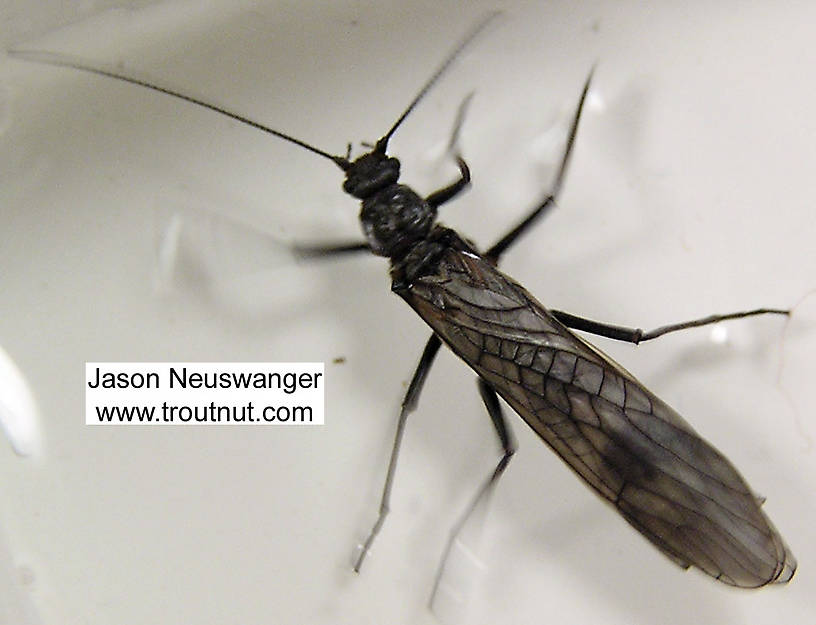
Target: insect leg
{"x":438,"y":198}
{"x":508,"y":444}
{"x":507,"y":240}
{"x":637,"y":335}
{"x":408,"y":405}
{"x":332,"y":249}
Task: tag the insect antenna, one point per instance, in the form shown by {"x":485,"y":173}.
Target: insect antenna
{"x":63,"y":60}
{"x":382,"y":144}
{"x":562,"y":169}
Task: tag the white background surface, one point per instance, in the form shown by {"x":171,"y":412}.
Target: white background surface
{"x":691,"y":192}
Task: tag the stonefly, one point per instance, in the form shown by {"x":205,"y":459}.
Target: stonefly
{"x":628,"y":445}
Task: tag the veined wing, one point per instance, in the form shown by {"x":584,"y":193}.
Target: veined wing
{"x":626,"y":443}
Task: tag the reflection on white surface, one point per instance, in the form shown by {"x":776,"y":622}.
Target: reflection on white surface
{"x":596,"y":102}
{"x":167,"y":253}
{"x":719,"y":334}
{"x":464,"y":569}
{"x":201,"y":250}
{"x":18,"y":410}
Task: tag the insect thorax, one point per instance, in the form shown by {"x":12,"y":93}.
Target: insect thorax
{"x":394,"y":218}
{"x":424,"y":256}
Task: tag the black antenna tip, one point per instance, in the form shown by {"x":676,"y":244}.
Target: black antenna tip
{"x":382,"y":144}
{"x":64,"y":60}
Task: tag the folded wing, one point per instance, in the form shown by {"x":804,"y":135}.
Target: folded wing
{"x":632,"y":448}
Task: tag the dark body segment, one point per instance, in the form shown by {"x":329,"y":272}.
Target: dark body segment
{"x":631,"y":447}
